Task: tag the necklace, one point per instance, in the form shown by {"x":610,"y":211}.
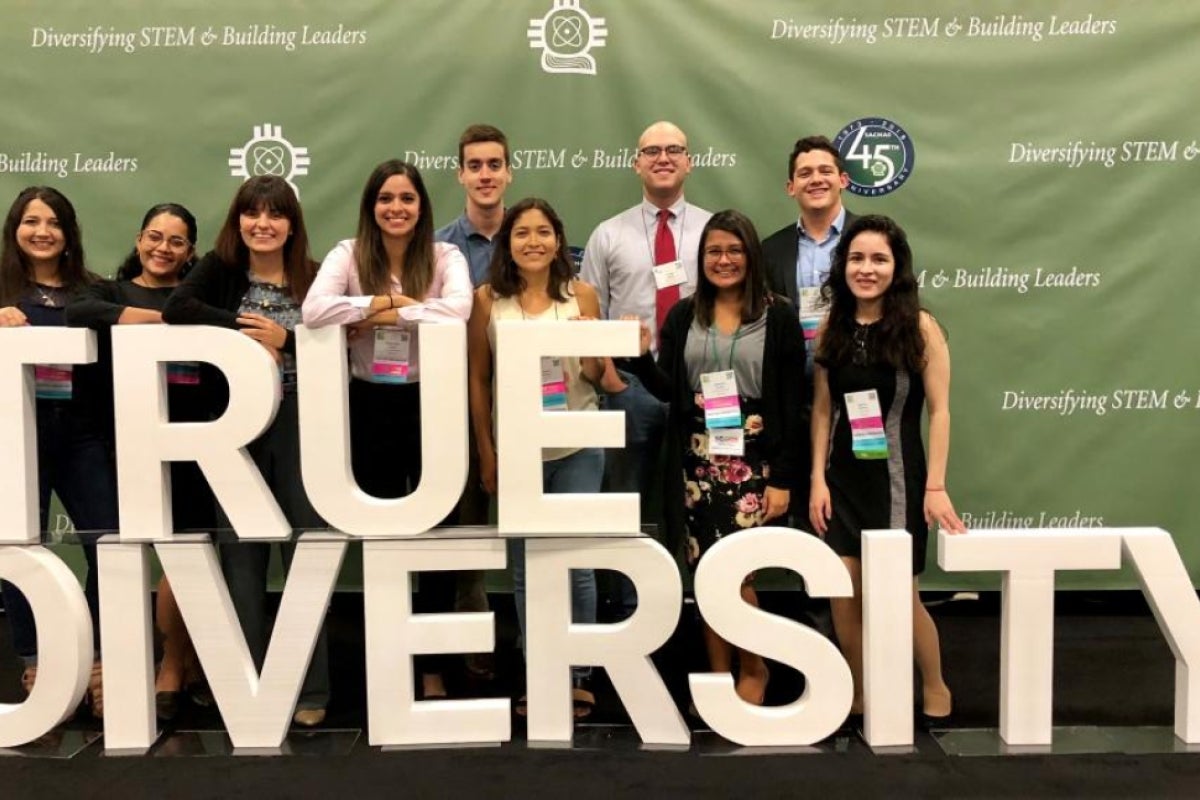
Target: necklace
{"x":862,"y":337}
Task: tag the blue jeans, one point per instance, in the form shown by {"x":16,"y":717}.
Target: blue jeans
{"x":74,"y":462}
{"x":579,"y":472}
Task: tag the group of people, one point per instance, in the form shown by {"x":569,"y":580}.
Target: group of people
{"x":780,"y":381}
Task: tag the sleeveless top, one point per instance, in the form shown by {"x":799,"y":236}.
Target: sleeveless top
{"x":581,"y":396}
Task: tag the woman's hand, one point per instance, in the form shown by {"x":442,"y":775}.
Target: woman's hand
{"x":775,"y":502}
{"x":643,"y":332}
{"x":939,"y":509}
{"x":820,"y":507}
{"x":263,"y":330}
{"x":12,"y":317}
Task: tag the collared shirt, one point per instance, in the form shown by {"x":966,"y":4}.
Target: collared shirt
{"x":813,"y":258}
{"x":336,"y":296}
{"x":813,"y":262}
{"x":619,"y":259}
{"x":473,"y":244}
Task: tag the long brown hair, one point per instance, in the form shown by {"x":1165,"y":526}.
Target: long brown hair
{"x":16,"y":273}
{"x":898,"y":340}
{"x":374,"y":272}
{"x":274,"y":193}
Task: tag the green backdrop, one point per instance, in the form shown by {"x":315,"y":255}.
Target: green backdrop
{"x":1052,"y":143}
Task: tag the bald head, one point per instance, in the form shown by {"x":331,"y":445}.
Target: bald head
{"x":662,"y":172}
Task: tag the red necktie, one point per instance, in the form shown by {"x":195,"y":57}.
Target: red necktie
{"x":664,"y":253}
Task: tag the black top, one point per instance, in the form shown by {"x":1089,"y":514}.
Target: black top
{"x":785,"y":441}
{"x":210,"y":295}
{"x":91,"y":399}
{"x":101,"y":304}
{"x":99,"y":307}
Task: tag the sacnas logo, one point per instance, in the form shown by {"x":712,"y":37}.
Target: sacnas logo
{"x":268,"y":153}
{"x":566,"y":36}
{"x":878,"y":155}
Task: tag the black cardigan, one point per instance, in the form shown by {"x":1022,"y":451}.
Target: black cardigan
{"x":100,"y":306}
{"x":784,"y":438}
{"x":211,"y":295}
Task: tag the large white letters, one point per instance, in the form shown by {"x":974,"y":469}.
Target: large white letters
{"x":523,"y":428}
{"x":828,"y":686}
{"x":1028,"y":559}
{"x":22,"y":348}
{"x":325,"y":437}
{"x":147,"y":442}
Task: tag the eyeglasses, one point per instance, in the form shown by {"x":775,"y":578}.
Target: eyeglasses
{"x":155,"y":238}
{"x":654,"y":150}
{"x":733,"y":253}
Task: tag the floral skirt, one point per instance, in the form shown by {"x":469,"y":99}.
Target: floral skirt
{"x":722,"y":494}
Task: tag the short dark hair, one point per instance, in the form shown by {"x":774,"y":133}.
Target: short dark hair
{"x":810,"y":143}
{"x":503,"y":275}
{"x":754,"y":288}
{"x":131,"y":267}
{"x":475,"y":134}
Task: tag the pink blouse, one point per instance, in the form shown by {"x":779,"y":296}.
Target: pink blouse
{"x":331,"y":301}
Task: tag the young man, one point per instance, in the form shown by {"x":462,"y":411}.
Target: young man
{"x":642,"y":261}
{"x":485,"y":173}
{"x":798,"y":256}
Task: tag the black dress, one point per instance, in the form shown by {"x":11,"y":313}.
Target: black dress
{"x":881,"y":493}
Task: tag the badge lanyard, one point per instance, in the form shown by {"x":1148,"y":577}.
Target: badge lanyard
{"x":867,"y":437}
{"x":722,"y":408}
{"x":390,"y":363}
{"x":52,"y":381}
{"x":671,"y":273}
{"x":554,"y":373}
{"x":391,"y":356}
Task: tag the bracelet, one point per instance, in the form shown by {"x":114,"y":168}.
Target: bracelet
{"x":391,"y":302}
{"x":935,"y":488}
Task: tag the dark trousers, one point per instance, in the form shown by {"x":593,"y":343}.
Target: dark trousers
{"x":245,"y":564}
{"x":385,"y":447}
{"x":74,"y":462}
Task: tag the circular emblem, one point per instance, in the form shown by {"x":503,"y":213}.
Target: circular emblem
{"x":878,"y":155}
{"x":268,"y":159}
{"x":570,"y":32}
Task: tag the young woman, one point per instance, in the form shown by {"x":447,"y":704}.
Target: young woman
{"x":41,"y":267}
{"x":383,"y":283}
{"x":163,"y":251}
{"x":731,"y":364}
{"x":531,"y":279}
{"x":254,"y":281}
{"x":880,"y":358}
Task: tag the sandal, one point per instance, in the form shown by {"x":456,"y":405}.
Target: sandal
{"x":582,"y":698}
{"x":95,"y":691}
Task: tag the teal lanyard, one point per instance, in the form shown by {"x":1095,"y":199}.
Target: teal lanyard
{"x":732,"y":346}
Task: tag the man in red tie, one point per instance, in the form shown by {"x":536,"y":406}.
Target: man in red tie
{"x":642,"y":261}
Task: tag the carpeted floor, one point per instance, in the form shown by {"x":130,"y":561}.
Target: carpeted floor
{"x":1112,"y":667}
